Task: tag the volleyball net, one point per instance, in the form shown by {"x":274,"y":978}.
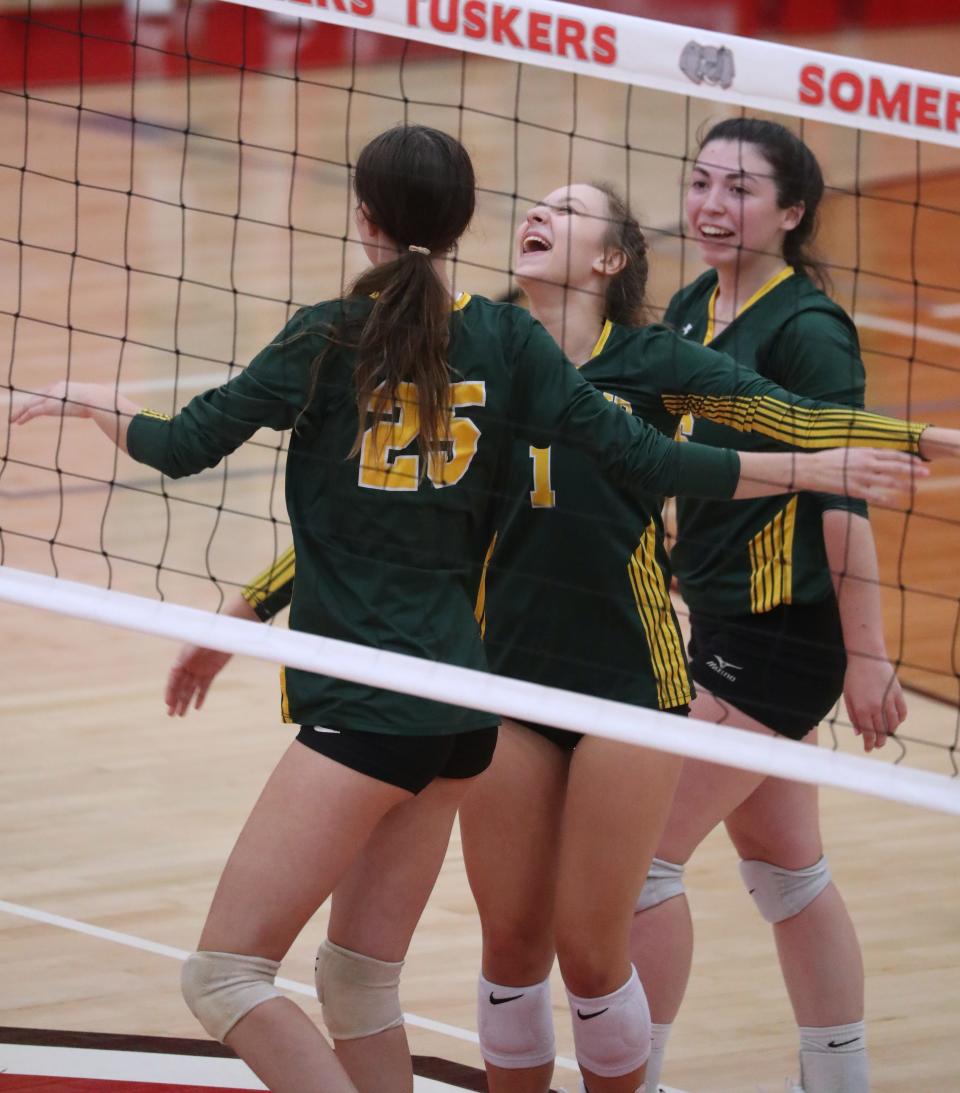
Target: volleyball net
{"x":176,"y":181}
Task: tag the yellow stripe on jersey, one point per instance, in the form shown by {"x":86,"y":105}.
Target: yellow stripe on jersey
{"x":768,"y":286}
{"x":480,"y":607}
{"x":663,"y":638}
{"x":771,"y":561}
{"x":277,"y":575}
{"x":602,"y":340}
{"x":154,"y":414}
{"x":800,"y":427}
{"x":284,"y":699}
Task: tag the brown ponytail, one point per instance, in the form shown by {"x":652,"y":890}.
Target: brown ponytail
{"x":417,"y":185}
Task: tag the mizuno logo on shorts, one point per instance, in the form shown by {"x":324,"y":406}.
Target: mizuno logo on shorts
{"x":317,"y":728}
{"x":724,"y":667}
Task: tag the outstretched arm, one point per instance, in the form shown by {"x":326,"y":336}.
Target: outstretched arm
{"x":876,"y":476}
{"x":270,"y":392}
{"x":937,"y":442}
{"x":111,"y":411}
{"x":554,"y":402}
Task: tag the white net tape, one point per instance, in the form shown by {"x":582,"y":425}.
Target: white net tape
{"x":482,"y":691}
{"x":739,"y":71}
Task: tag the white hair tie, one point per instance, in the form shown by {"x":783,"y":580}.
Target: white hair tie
{"x":419,"y":250}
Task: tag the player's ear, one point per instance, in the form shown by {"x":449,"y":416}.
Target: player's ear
{"x":363,"y":218}
{"x":610,"y":263}
{"x":792,"y":216}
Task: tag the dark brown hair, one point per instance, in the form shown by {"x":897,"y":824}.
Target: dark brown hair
{"x":417,"y":186}
{"x":797,"y":177}
{"x":625,"y":300}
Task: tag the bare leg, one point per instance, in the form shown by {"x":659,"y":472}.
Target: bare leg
{"x":376,"y":908}
{"x":662,"y":937}
{"x":618,"y":799}
{"x":510,"y":823}
{"x":311,"y":821}
{"x":818,"y":948}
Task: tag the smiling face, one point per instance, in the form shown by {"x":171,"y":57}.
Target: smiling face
{"x":562,"y":240}
{"x":732,"y":207}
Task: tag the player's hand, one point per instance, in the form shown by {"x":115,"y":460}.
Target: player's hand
{"x":190,"y":677}
{"x":65,"y":399}
{"x":874,"y":699}
{"x":874,"y":474}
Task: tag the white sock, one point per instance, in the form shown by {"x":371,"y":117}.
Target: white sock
{"x":659,"y":1034}
{"x":834,"y":1059}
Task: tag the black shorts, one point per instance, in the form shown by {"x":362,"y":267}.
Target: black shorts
{"x":410,"y":762}
{"x":784,"y":668}
{"x":563,"y":738}
{"x":567,"y":739}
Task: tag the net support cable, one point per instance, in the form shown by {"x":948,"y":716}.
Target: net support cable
{"x":804,"y":83}
{"x":483,"y":691}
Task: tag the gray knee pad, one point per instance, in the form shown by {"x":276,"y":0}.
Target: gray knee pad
{"x":359,"y":994}
{"x":612,"y":1033}
{"x":515,"y":1024}
{"x":664,"y":881}
{"x":782,"y":893}
{"x":220,"y":988}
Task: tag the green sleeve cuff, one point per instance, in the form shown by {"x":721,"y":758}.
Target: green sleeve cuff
{"x":711,"y":473}
{"x":147,"y":436}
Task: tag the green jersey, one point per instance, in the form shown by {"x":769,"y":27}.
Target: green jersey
{"x":389,"y":553}
{"x":577,"y":590}
{"x":751,"y":556}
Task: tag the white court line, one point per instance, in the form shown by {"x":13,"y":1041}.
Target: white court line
{"x":908,"y":330}
{"x":118,"y":938}
{"x":127,"y":1066}
{"x":945,"y":311}
{"x":862,"y":318}
{"x":198,"y":379}
{"x":865,"y":319}
{"x":931,"y":485}
{"x":146,"y":1067}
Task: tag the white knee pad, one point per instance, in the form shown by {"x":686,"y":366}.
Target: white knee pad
{"x":612,"y":1033}
{"x":359,"y":994}
{"x":515,"y":1024}
{"x":664,"y":881}
{"x":782,"y":893}
{"x":220,"y":988}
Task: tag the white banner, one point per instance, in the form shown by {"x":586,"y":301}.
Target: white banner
{"x":805,"y":83}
